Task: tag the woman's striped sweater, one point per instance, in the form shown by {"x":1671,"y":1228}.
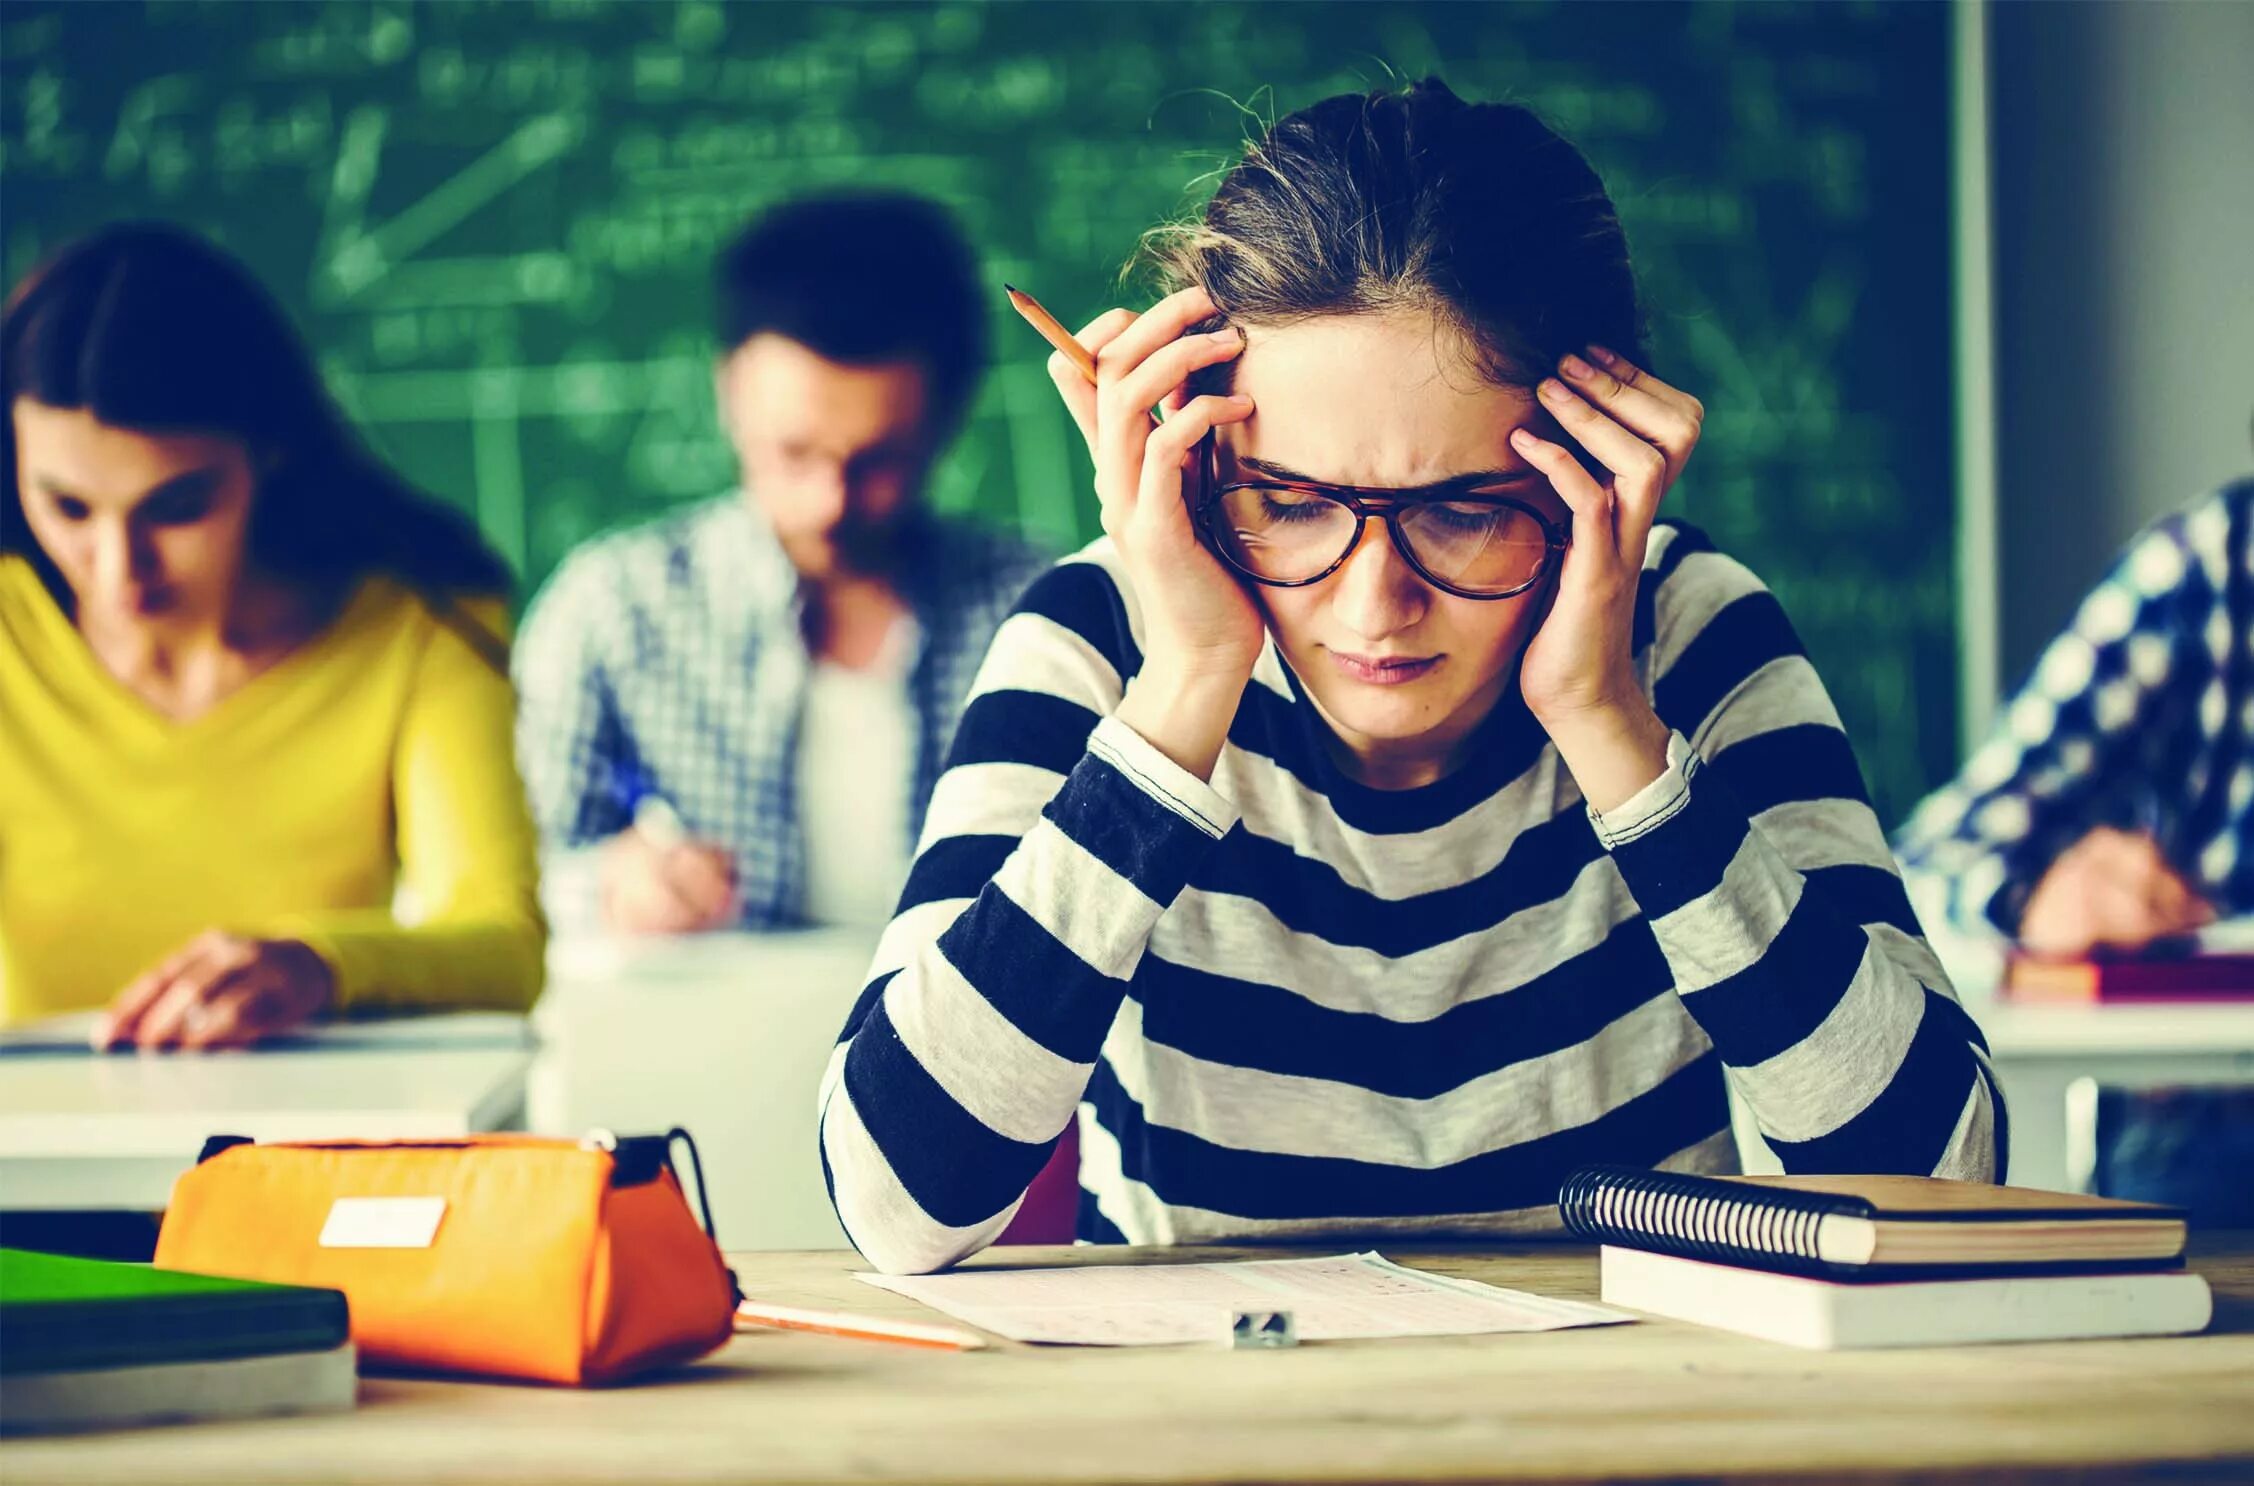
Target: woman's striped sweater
{"x":1288,"y":1005}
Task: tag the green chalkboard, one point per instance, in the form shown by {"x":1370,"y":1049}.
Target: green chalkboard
{"x":495,"y":221}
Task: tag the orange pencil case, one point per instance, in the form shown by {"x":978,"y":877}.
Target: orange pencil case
{"x":517,"y":1256}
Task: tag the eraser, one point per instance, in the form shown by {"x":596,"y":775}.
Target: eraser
{"x":1256,"y":1330}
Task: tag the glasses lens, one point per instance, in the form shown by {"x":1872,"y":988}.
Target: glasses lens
{"x":1478,"y":546}
{"x":1285,"y":535}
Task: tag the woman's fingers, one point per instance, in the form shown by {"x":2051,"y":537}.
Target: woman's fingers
{"x":1669,"y":423}
{"x":1639,"y":470}
{"x":130,"y":1012}
{"x":1644,"y":382}
{"x":1173,"y":442}
{"x":1164,"y":322}
{"x":1123,"y":403}
{"x":122,"y":1022}
{"x":1104,"y":329}
{"x":1078,"y":392}
{"x":1161,"y":521}
{"x":1166,"y":370}
{"x":181,"y":1011}
{"x":235,"y":1017}
{"x":1595,"y":538}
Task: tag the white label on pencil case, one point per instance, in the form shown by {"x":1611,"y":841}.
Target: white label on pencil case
{"x":382,"y":1222}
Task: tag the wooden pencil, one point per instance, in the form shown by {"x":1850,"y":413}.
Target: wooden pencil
{"x":1052,"y":330}
{"x":860,"y":1328}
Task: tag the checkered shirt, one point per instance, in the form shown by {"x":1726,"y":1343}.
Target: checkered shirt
{"x":670,"y":657}
{"x":2139,"y":716}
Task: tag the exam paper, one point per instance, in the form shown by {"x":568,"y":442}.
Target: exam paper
{"x":1347,"y":1297}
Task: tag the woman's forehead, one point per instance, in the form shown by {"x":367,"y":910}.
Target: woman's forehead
{"x":71,"y":449}
{"x":1376,"y":400}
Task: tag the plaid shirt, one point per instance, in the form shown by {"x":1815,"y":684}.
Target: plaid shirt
{"x":2139,"y":716}
{"x":670,"y":657}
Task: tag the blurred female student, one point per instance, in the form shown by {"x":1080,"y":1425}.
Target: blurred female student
{"x":251,"y":683}
{"x":1407,"y":819}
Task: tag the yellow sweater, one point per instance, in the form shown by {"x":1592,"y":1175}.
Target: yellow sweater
{"x":376,"y":755}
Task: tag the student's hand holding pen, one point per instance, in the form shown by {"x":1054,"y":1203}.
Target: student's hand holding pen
{"x":656,"y":880}
{"x":1202,"y":631}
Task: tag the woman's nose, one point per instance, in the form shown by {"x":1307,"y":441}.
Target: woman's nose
{"x":1377,"y":592}
{"x":122,"y":560}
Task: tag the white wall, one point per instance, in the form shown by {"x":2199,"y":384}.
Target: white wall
{"x":2122,"y":169}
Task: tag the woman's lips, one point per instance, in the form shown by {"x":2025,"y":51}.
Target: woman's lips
{"x":1383,"y":670}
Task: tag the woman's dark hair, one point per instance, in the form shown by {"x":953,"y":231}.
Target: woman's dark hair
{"x":1412,"y":199}
{"x":149,"y":327}
{"x":861,"y":276}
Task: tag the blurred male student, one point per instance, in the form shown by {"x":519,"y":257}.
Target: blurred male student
{"x":2113,"y":806}
{"x":2114,"y":803}
{"x":732,"y":716}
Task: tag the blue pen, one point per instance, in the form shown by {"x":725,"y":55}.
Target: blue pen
{"x":653,"y":815}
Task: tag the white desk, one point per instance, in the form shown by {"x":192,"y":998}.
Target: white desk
{"x":2042,"y":1052}
{"x":725,"y":1035}
{"x":81,"y":1130}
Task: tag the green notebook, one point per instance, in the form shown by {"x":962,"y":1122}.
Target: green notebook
{"x":59,"y":1314}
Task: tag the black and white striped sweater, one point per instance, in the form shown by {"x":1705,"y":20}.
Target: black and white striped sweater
{"x":1288,"y":1005}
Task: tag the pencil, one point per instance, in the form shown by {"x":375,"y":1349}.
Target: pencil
{"x":1053,"y":331}
{"x":861,"y":1328}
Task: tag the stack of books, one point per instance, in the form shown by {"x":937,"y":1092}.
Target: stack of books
{"x":1884,"y":1261}
{"x":89,"y":1344}
{"x":2214,"y":964}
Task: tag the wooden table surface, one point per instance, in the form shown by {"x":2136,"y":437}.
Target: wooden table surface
{"x":1651,"y":1401}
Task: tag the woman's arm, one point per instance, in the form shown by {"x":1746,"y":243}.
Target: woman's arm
{"x":1056,"y":838}
{"x":1765,"y":877}
{"x":466,"y":852}
{"x":1768,"y":883}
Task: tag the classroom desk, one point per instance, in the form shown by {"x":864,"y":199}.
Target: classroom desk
{"x":2042,"y":1052}
{"x":1652,"y":1401}
{"x":86,"y":1131}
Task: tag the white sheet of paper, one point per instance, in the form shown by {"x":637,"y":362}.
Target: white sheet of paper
{"x":1346,"y":1297}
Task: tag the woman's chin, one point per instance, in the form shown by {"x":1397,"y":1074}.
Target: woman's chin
{"x":1385,"y":714}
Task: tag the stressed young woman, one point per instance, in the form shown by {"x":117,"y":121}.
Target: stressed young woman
{"x":250,"y":683}
{"x":1388,"y":815}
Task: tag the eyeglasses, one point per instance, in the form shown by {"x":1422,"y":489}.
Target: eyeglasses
{"x":1475,"y":542}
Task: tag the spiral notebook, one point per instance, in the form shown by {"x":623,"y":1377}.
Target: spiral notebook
{"x":1868,"y":1227}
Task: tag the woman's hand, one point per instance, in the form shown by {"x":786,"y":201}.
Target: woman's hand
{"x":223,"y":990}
{"x":1578,"y":674}
{"x":1202,"y":632}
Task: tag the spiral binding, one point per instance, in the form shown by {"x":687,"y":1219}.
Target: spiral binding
{"x":1696,"y":1217}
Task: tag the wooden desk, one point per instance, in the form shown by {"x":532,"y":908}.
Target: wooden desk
{"x":1657,"y":1400}
{"x":81,"y":1130}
